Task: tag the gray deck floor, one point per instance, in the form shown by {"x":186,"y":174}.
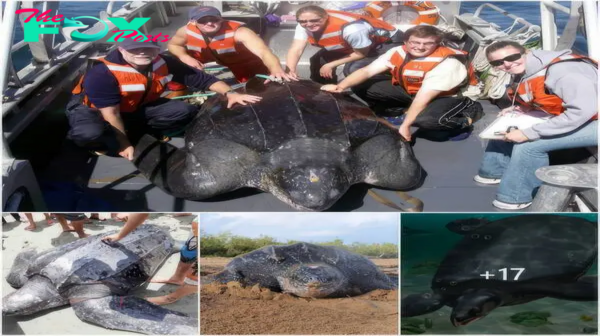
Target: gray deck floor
{"x":449,"y":186}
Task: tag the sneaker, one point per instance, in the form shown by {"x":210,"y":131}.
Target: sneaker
{"x":510,"y":206}
{"x":485,"y":180}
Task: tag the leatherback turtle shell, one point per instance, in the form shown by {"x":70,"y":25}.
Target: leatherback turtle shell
{"x":121,"y":266}
{"x":287,"y":112}
{"x":545,"y":247}
{"x":301,"y":144}
{"x":264,"y":265}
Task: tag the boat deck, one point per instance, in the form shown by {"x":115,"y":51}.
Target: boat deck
{"x":74,"y":180}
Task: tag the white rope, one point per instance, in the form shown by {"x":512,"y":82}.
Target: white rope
{"x":509,"y":29}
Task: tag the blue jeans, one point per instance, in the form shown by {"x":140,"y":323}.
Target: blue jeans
{"x":516,"y":164}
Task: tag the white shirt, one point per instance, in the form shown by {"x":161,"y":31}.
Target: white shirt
{"x":445,"y":76}
{"x":355,"y":34}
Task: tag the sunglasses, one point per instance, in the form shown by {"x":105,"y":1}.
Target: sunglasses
{"x":307,"y":21}
{"x":509,"y":58}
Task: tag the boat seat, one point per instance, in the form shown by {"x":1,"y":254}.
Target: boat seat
{"x":562,"y":182}
{"x":18,"y":180}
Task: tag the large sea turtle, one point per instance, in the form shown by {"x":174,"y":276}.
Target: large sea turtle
{"x":96,"y":279}
{"x":524,"y":258}
{"x":305,"y":270}
{"x":303,"y":145}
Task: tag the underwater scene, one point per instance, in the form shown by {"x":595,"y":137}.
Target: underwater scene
{"x":498,"y":271}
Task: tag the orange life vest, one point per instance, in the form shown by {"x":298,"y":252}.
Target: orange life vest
{"x":532,"y":90}
{"x":223,"y":44}
{"x":428,"y":13}
{"x":132,"y":84}
{"x":410,"y":72}
{"x":331,"y":38}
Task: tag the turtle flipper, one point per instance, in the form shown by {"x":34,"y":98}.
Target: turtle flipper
{"x":224,"y":277}
{"x":37,"y":294}
{"x":200,"y":171}
{"x":135,"y":314}
{"x":420,"y":304}
{"x":584,"y":289}
{"x":396,"y":169}
{"x":16,"y":277}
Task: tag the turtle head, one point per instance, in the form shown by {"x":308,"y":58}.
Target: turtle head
{"x":37,"y":294}
{"x":312,"y":280}
{"x":311,"y":187}
{"x":474,"y":306}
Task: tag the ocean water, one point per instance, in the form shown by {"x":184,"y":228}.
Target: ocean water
{"x":529,"y":10}
{"x":425,"y":241}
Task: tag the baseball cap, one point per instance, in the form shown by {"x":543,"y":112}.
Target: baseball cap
{"x":129,"y":44}
{"x":201,"y":11}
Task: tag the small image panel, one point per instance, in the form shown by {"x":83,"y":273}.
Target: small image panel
{"x":306,"y":273}
{"x":102,"y":273}
{"x":499,"y":274}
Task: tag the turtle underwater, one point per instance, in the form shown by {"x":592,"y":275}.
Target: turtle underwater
{"x":96,"y":279}
{"x":303,"y":145}
{"x":530,"y":256}
{"x":305,"y":270}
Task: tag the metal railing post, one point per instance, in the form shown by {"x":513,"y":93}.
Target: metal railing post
{"x":590,"y":14}
{"x":8,"y":25}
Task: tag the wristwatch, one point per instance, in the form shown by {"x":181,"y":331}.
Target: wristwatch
{"x":230,"y":91}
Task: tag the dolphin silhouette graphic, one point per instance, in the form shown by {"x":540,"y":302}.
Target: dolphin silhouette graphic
{"x":69,"y":26}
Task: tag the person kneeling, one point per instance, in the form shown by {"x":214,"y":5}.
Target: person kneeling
{"x":428,"y":78}
{"x":121,"y":98}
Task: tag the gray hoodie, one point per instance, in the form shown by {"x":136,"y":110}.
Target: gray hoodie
{"x":576,"y":83}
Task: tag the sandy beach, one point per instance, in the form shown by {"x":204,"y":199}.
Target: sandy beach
{"x":62,"y":321}
{"x":234,"y":310}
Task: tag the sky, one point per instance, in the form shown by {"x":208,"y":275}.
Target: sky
{"x":306,"y":226}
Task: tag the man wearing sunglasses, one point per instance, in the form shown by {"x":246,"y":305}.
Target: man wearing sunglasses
{"x":346,"y":39}
{"x":209,"y":38}
{"x":430,"y":79}
{"x":560,"y":83}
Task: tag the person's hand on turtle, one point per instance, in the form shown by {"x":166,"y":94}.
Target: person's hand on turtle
{"x":293,"y":75}
{"x":331,"y":88}
{"x":242,"y":99}
{"x":112,"y":238}
{"x":282,"y":76}
{"x":404,"y":131}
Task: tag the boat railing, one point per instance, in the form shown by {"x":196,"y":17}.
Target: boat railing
{"x":552,"y":40}
{"x":510,"y":31}
{"x":50,"y":56}
{"x":484,"y":32}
